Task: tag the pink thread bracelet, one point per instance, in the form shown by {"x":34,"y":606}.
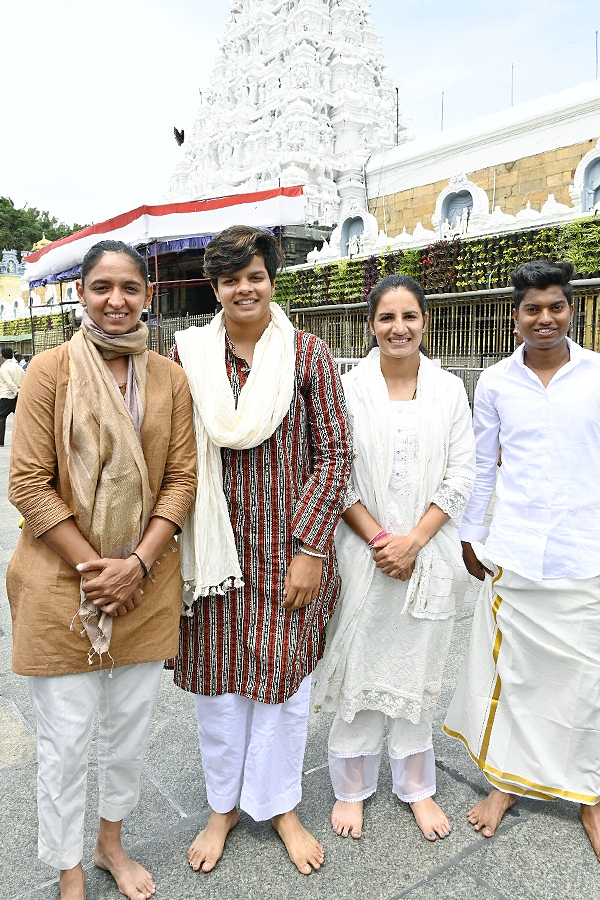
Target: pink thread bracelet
{"x":382,"y":534}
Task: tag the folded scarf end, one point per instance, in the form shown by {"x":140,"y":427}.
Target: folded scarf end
{"x":191,"y":591}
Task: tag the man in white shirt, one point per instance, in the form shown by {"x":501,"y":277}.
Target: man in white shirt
{"x":11,"y":378}
{"x":527,"y":704}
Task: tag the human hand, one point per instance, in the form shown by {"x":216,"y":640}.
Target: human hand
{"x":302,"y":581}
{"x":396,"y":554}
{"x":113,"y":585}
{"x":474,"y":566}
{"x":405,"y":574}
{"x":113,"y":609}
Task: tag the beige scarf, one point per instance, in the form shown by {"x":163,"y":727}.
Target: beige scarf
{"x":209,"y":560}
{"x":107,"y":469}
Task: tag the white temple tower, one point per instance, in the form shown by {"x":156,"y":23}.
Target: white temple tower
{"x":299,"y":95}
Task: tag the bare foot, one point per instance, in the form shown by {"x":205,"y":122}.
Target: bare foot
{"x":303,"y":849}
{"x":347,"y":818}
{"x":72,"y":883}
{"x":131,"y":878}
{"x":205,"y":852}
{"x":486,"y":815}
{"x":430,"y":818}
{"x":590,"y":818}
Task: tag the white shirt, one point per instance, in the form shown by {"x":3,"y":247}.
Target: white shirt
{"x":11,"y":378}
{"x":546,"y":521}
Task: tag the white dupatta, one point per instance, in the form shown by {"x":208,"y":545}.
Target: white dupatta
{"x":209,"y":561}
{"x":439,"y":579}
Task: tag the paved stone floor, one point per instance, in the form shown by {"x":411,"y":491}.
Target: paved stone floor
{"x":541,"y":850}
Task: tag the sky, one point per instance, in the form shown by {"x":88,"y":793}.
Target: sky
{"x":92,"y":91}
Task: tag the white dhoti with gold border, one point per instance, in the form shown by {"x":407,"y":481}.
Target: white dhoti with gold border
{"x":527,"y":704}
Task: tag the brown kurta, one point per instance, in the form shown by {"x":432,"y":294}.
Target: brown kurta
{"x":43,"y":589}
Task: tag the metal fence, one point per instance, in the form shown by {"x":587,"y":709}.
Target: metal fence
{"x":467,"y":331}
{"x":44,"y":339}
{"x":168,"y":327}
{"x":343,"y":328}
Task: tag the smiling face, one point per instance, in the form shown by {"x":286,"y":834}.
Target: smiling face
{"x":398,"y":324}
{"x":245,"y":294}
{"x":543,"y":317}
{"x":114,"y":293}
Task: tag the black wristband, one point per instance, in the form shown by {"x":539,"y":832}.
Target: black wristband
{"x":141,"y":562}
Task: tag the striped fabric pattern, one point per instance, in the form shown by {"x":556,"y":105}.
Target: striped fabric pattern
{"x":288,"y":490}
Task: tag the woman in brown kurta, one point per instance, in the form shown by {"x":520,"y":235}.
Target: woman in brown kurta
{"x":103,"y":471}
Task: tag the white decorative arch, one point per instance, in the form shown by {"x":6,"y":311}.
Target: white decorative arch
{"x":481,"y":204}
{"x":576,"y":189}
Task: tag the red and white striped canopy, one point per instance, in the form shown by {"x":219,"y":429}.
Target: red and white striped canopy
{"x":170,"y":221}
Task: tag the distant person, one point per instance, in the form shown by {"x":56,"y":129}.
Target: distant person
{"x":24,"y":362}
{"x":103,"y":471}
{"x":517,"y":336}
{"x":400,"y":563}
{"x":527,"y":704}
{"x":273,"y":462}
{"x":11,"y":379}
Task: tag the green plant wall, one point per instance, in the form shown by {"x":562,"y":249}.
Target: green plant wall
{"x":445,"y":266}
{"x":51,"y":322}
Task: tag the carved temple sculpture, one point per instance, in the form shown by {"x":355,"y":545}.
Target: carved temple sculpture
{"x":299,"y":95}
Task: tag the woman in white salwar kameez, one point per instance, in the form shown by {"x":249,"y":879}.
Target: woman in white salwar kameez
{"x":400,"y":562}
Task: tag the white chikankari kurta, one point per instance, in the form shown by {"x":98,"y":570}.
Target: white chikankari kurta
{"x":387,"y":642}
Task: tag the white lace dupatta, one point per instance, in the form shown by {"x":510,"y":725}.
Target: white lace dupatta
{"x":439,"y":577}
{"x":209,"y":561}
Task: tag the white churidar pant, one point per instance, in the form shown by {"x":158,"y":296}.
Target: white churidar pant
{"x":252,"y":752}
{"x":355,"y":751}
{"x":65,"y":709}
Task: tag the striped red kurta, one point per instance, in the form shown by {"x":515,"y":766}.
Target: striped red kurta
{"x":286,"y":491}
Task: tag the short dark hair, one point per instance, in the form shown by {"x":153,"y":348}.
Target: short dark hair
{"x":541,"y":274}
{"x":6,"y":353}
{"x":234,"y":248}
{"x":96,"y":252}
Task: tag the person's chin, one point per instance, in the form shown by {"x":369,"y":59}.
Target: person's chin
{"x":541,"y":342}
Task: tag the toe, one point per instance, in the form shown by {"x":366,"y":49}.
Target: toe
{"x":443,"y":830}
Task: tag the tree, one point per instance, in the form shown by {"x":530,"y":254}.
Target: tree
{"x":21,"y":228}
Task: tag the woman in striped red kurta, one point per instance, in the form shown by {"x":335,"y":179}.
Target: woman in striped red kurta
{"x":284,"y":496}
{"x":282,"y":493}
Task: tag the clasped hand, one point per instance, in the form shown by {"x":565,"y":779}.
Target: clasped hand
{"x":395,"y":555}
{"x":113,"y":585}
